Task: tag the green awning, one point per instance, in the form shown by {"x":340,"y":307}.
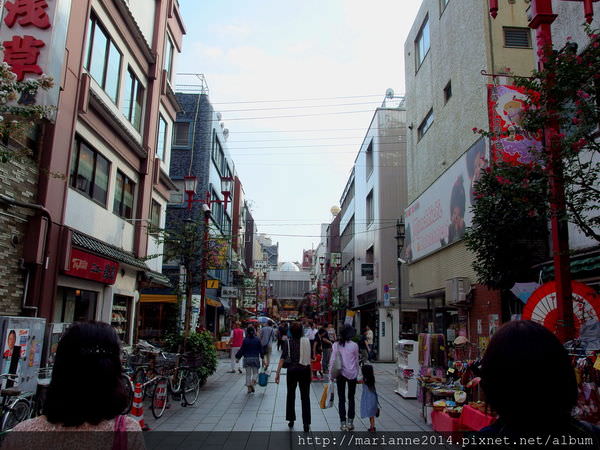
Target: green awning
{"x":578,"y":265}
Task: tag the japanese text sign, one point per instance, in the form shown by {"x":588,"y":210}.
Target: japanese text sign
{"x":92,"y":267}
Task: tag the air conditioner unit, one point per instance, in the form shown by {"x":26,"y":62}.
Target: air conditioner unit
{"x":457,"y":290}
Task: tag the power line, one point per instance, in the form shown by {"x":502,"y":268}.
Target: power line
{"x":289,"y":116}
{"x":296,"y":99}
{"x":309,"y":146}
{"x":299,"y":107}
{"x":318,"y":130}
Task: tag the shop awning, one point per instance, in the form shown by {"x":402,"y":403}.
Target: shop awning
{"x":103,"y":249}
{"x":157,"y":278}
{"x":587,"y":263}
{"x":213,"y":302}
{"x":158,"y":298}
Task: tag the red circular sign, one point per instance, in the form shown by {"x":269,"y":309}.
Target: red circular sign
{"x":542,"y":308}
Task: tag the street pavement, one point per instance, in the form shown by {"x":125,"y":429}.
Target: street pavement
{"x":225,"y":405}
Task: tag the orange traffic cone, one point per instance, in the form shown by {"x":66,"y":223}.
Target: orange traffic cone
{"x":137,"y":408}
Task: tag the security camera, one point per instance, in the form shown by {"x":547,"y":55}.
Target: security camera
{"x":402,"y":261}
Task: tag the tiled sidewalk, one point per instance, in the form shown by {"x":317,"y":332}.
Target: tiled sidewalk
{"x":224,"y":405}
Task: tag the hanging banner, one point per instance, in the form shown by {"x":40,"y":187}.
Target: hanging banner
{"x":505,"y":109}
{"x":440,"y":215}
{"x":217,"y":253}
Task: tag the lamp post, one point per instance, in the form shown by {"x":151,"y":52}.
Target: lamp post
{"x":190,"y":186}
{"x":542,"y":18}
{"x":400,"y":236}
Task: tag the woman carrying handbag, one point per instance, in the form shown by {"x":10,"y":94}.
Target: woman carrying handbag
{"x":344,"y":370}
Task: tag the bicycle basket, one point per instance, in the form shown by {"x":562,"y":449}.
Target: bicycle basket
{"x":136,"y":360}
{"x":166,"y":360}
{"x":193,"y":360}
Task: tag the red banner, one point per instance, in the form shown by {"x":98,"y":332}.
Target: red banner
{"x":92,"y":267}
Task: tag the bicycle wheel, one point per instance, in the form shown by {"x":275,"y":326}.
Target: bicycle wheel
{"x":176,"y":382}
{"x":160,"y":396}
{"x":15,"y":414}
{"x":128,"y":386}
{"x":191,"y":387}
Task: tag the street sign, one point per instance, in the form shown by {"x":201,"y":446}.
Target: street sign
{"x":229,"y":292}
{"x":212,"y":284}
{"x":386,"y":299}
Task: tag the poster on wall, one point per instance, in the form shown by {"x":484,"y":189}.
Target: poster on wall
{"x":440,"y":215}
{"x":14,"y":337}
{"x":493,"y":323}
{"x":505,"y":109}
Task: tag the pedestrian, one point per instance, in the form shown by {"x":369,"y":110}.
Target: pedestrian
{"x":267,"y":336}
{"x":252,"y":352}
{"x":282,"y":335}
{"x":369,"y":402}
{"x":317,"y":355}
{"x":516,"y":382}
{"x":87,"y":393}
{"x":370,"y":342}
{"x":363,"y":347}
{"x":296,"y":358}
{"x":347,"y":351}
{"x":331,"y":333}
{"x":326,"y":344}
{"x":235,"y":342}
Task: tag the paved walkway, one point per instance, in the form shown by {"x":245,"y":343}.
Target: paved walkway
{"x":224,"y":405}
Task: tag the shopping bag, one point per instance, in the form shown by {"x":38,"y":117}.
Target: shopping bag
{"x":331,"y":390}
{"x":324,"y":401}
{"x":263,"y":379}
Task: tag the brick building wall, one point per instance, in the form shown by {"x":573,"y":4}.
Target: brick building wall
{"x":485,"y":303}
{"x":19,"y":181}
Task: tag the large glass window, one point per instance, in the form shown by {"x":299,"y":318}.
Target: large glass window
{"x":103,"y":59}
{"x":124,"y":192}
{"x":90,"y":172}
{"x":133,"y":100}
{"x":422,"y":42}
{"x":161,"y":138}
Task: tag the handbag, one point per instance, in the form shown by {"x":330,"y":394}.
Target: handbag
{"x":336,"y":370}
{"x":263,"y":378}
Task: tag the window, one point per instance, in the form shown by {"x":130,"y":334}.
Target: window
{"x":425,"y":125}
{"x":347,"y":234}
{"x":161,"y":138}
{"x":370,"y":259}
{"x":134,"y":100}
{"x":218,"y":155}
{"x":217,"y":209}
{"x":74,"y":305}
{"x":443,"y":4}
{"x":370,"y":208}
{"x":168,"y":57}
{"x":154,"y":217}
{"x":103,"y":59}
{"x":369,"y":162}
{"x":448,"y":92}
{"x":422,"y":42}
{"x":348,"y":198}
{"x":181,"y":134}
{"x":89,"y":173}
{"x":517,"y":37}
{"x":124,"y":189}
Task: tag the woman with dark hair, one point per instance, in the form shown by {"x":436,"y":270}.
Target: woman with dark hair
{"x":87,"y":391}
{"x":296,"y":358}
{"x":252,"y":352}
{"x":528,"y":379}
{"x":347,"y":351}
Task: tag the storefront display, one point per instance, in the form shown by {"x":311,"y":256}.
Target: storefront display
{"x":121,"y":315}
{"x":408,"y":368}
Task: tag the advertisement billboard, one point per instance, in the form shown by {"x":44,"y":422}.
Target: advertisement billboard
{"x":505,"y":108}
{"x":441,"y":214}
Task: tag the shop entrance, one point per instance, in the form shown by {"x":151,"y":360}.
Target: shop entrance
{"x":74,"y":305}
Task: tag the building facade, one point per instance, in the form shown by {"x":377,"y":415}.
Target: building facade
{"x":109,"y":143}
{"x":446,"y":97}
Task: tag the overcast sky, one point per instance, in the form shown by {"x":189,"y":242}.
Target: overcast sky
{"x":328,"y":64}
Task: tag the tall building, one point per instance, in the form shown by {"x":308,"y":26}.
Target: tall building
{"x":449,"y":46}
{"x":102,"y":169}
{"x":372,"y":202}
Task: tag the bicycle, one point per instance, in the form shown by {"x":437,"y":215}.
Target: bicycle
{"x":16,"y":406}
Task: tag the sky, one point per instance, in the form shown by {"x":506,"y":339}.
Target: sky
{"x":297,"y":84}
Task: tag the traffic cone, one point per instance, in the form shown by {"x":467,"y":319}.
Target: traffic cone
{"x":137,"y":408}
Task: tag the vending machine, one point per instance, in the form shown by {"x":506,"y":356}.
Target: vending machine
{"x":24,"y":335}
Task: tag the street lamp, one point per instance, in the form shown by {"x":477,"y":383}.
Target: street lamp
{"x":190,"y":184}
{"x":400,"y":237}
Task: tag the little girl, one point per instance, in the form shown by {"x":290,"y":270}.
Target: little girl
{"x":369,"y":404}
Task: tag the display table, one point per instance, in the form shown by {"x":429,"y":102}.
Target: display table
{"x":474,"y":420}
{"x":442,"y":422}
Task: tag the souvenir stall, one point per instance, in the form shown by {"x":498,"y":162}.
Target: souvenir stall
{"x":585,"y":349}
{"x":451,"y":396}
